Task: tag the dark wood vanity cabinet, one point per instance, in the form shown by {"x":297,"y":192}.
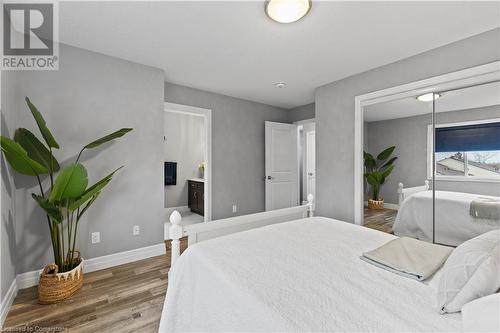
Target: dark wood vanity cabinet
{"x":196,"y":200}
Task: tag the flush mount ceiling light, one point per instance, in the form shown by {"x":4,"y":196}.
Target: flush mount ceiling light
{"x":287,"y":11}
{"x":280,"y":85}
{"x":428,"y":97}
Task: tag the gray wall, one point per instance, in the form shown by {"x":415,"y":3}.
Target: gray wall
{"x":301,"y":113}
{"x":237,"y":147}
{"x":335,"y":112}
{"x":409,"y":135}
{"x":89,"y":96}
{"x":8,"y":236}
{"x":184,"y":144}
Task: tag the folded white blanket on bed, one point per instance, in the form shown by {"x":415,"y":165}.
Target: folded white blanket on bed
{"x":409,"y":257}
{"x":486,"y":208}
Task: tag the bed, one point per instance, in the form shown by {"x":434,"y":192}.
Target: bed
{"x":300,"y":275}
{"x":454,"y":224}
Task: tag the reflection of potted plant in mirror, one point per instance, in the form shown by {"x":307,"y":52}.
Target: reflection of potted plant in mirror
{"x":64,"y":204}
{"x":376,"y":172}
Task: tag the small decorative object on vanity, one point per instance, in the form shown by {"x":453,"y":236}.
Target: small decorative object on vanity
{"x":376,"y":172}
{"x":64,"y":204}
{"x":201,"y":168}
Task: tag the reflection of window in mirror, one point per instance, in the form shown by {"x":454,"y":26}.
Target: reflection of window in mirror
{"x":467,"y":135}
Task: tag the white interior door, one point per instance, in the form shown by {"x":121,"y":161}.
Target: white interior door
{"x":311,"y":163}
{"x":282,"y":179}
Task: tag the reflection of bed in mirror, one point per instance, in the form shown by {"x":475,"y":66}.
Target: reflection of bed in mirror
{"x":456,"y":221}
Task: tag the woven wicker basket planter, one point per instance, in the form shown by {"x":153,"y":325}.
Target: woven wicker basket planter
{"x":55,"y":287}
{"x":375,"y":204}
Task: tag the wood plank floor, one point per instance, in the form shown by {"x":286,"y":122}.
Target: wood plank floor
{"x":126,"y":298}
{"x":382,"y":219}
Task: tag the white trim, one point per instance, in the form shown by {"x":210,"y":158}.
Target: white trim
{"x":207,"y":114}
{"x":471,"y":122}
{"x":305,"y":121}
{"x":391,"y":206}
{"x":471,"y":179}
{"x":116,"y":259}
{"x":30,"y":279}
{"x":470,"y":76}
{"x":306,"y":180}
{"x":7,"y":301}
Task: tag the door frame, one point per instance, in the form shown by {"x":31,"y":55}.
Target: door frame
{"x":207,"y":115}
{"x":300,"y":126}
{"x":466,"y":77}
{"x":306,"y":137}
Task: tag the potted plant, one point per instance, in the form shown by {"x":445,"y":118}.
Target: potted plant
{"x":64,"y":203}
{"x":376,"y":172}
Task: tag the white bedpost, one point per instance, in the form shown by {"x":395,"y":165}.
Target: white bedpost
{"x":310,"y":207}
{"x":404,"y":193}
{"x":175,"y":232}
{"x":401,"y":195}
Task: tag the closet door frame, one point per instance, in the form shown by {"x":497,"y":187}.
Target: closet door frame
{"x":467,"y":77}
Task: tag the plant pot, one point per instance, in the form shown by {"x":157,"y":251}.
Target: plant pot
{"x":375,"y":204}
{"x":55,"y":287}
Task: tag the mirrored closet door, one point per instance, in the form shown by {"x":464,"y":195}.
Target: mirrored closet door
{"x":396,"y":161}
{"x":466,"y":162}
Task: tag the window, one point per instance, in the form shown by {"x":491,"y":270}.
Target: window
{"x":467,"y":151}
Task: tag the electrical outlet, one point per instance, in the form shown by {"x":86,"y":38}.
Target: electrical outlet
{"x":136,"y":230}
{"x":96,"y":237}
{"x":235,"y":209}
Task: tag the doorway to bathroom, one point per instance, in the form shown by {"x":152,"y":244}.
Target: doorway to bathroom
{"x":187,"y":162}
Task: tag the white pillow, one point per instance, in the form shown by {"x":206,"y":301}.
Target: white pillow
{"x":482,"y":315}
{"x":471,"y":271}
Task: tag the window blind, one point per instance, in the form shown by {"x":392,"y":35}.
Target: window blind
{"x":478,"y":137}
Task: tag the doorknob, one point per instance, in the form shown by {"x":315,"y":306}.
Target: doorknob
{"x":310,"y":174}
{"x":270,"y":177}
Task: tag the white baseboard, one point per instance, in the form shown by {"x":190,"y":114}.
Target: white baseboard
{"x":7,"y":301}
{"x":391,"y":206}
{"x":30,"y":279}
{"x":387,"y":205}
{"x":121,"y":258}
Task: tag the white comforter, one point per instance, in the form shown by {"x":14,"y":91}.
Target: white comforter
{"x":453,"y":225}
{"x":303,"y":275}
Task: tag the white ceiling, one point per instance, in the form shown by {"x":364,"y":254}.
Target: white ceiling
{"x":232,"y":48}
{"x":454,"y":100}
